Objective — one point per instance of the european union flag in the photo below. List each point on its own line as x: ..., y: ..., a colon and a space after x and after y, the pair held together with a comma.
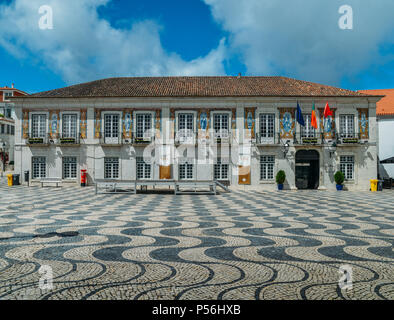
x: 300, y: 118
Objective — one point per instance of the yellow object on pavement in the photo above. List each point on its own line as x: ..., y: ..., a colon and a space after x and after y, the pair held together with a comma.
x: 9, y: 179
x: 374, y: 185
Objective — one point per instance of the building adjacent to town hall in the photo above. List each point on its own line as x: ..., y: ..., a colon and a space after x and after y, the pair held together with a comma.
x: 7, y: 125
x: 385, y: 121
x: 238, y: 130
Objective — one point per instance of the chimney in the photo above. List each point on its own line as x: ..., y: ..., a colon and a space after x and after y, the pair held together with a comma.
x: 12, y: 85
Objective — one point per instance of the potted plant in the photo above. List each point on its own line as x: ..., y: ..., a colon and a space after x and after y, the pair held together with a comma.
x: 67, y: 140
x: 35, y: 140
x: 280, y: 179
x: 339, y: 179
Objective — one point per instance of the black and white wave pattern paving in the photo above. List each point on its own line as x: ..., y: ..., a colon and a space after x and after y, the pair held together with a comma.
x: 241, y: 245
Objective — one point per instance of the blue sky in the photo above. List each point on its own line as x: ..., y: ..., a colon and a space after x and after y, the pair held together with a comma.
x: 93, y: 39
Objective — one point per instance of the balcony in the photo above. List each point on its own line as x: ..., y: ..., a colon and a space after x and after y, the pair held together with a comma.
x: 37, y: 141
x: 308, y: 138
x: 185, y: 137
x: 350, y: 139
x: 110, y: 141
x: 68, y: 141
x: 222, y: 136
x: 267, y: 139
x: 143, y: 140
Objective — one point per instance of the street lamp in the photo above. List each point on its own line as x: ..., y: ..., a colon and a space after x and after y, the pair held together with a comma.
x: 285, y: 148
x: 332, y: 148
x: 3, y: 146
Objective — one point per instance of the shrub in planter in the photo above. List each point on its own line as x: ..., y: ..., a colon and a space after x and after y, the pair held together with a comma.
x: 35, y: 140
x: 339, y: 179
x: 280, y: 179
x: 309, y: 140
x: 67, y: 140
x: 350, y: 140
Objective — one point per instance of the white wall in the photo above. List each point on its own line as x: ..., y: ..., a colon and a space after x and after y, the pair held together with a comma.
x: 386, y: 138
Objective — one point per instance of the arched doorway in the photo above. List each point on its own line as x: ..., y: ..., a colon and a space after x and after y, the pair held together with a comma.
x: 307, y: 169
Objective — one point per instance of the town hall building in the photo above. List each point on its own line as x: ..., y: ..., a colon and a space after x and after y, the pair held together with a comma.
x: 237, y: 130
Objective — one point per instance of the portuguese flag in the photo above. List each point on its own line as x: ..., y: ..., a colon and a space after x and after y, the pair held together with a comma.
x: 313, y: 118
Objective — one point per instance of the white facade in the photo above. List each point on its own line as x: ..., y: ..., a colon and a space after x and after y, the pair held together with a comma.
x: 98, y: 157
x: 386, y: 145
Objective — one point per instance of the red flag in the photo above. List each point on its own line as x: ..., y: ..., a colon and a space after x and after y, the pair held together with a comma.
x: 327, y: 111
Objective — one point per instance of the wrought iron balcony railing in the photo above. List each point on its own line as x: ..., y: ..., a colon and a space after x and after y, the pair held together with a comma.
x: 67, y: 140
x: 37, y: 139
x: 186, y: 137
x: 105, y: 140
x: 146, y: 138
x: 348, y: 138
x: 267, y: 138
x: 309, y: 138
x: 222, y: 136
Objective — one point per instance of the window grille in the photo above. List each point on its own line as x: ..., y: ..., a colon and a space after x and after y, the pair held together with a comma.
x: 69, y: 168
x: 39, y: 167
x: 347, y: 167
x: 220, y: 170
x: 111, y: 168
x: 143, y: 169
x: 38, y: 123
x: 267, y: 164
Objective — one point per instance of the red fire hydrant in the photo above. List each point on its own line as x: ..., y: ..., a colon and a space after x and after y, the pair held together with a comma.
x: 83, y: 178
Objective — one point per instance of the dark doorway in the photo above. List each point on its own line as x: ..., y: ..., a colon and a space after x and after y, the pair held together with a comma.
x: 307, y: 169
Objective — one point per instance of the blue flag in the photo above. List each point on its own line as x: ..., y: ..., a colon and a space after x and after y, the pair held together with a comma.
x: 299, y: 117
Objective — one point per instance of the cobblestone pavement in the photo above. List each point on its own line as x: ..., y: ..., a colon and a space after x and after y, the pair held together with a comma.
x: 239, y: 245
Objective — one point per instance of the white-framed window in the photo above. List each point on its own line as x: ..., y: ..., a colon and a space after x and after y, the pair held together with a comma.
x: 7, y: 95
x: 221, y: 124
x: 144, y: 170
x: 186, y: 171
x: 267, y: 125
x: 111, y: 127
x: 308, y: 131
x: 69, y: 125
x: 220, y: 170
x: 12, y: 130
x: 111, y: 168
x: 143, y: 127
x: 267, y: 164
x: 185, y: 126
x: 346, y: 166
x: 2, y: 128
x: 346, y: 125
x: 38, y: 167
x: 69, y: 167
x: 38, y: 125
x: 185, y: 121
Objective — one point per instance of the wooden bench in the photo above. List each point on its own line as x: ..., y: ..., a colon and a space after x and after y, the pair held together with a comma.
x: 50, y: 180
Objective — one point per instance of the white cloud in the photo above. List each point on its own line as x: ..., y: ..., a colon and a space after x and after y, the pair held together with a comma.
x: 83, y: 47
x: 301, y: 38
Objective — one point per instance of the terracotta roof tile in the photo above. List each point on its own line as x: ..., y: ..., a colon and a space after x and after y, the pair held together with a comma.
x: 197, y: 87
x: 386, y: 105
